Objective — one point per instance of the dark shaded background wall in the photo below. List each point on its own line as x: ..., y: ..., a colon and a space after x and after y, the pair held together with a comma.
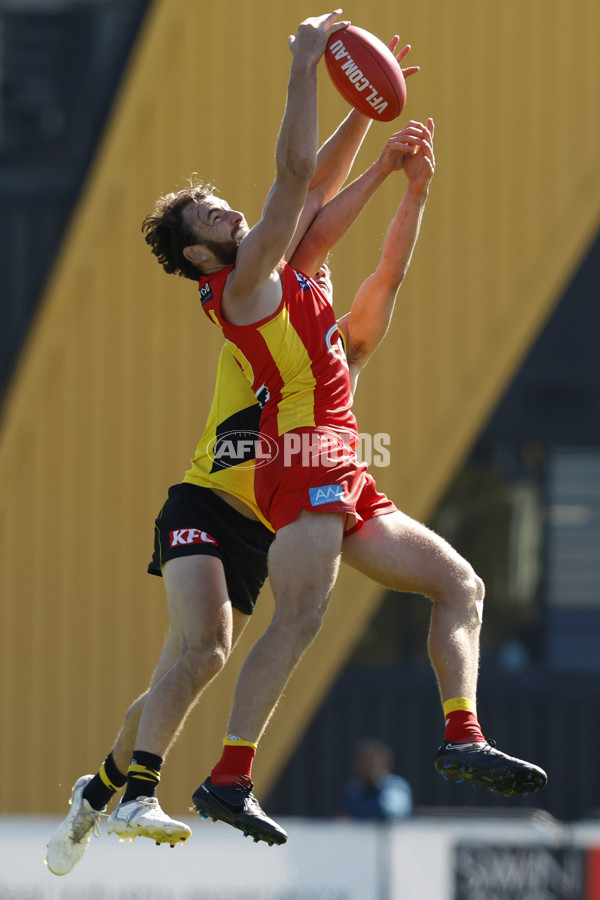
x: 60, y: 67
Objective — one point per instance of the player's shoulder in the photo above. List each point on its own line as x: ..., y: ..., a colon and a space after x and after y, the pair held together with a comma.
x: 211, y: 286
x: 296, y: 279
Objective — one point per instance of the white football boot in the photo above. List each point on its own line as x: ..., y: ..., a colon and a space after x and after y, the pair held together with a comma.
x: 72, y: 838
x: 144, y: 818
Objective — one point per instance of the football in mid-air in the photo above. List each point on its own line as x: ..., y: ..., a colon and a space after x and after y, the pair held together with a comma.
x: 366, y: 73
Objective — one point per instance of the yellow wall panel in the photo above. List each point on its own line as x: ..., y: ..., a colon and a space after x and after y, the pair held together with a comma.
x: 115, y: 381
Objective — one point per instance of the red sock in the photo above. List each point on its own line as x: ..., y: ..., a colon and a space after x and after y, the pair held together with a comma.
x: 236, y: 761
x: 462, y: 724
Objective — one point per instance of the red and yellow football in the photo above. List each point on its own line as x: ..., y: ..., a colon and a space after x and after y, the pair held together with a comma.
x: 366, y: 73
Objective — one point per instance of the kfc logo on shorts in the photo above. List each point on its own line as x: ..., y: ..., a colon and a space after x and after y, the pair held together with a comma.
x: 183, y: 536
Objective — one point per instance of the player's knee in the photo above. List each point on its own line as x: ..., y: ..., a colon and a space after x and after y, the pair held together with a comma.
x: 309, y: 624
x: 203, y: 662
x: 299, y: 627
x: 462, y: 590
x: 135, y: 710
x: 478, y: 595
x: 473, y: 592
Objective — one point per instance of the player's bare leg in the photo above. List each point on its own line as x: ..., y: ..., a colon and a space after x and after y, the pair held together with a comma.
x: 404, y: 555
x: 202, y: 629
x: 303, y: 565
x: 400, y: 553
x: 126, y: 740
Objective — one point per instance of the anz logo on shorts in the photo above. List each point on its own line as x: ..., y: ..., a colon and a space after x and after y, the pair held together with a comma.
x: 328, y: 493
x: 183, y: 536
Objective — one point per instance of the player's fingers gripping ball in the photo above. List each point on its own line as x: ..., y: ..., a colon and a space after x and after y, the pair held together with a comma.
x: 366, y: 73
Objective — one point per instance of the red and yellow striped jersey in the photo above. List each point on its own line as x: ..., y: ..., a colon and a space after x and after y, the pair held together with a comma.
x: 294, y: 359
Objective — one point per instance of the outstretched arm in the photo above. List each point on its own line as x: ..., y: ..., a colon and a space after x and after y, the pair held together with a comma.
x: 334, y: 161
x: 295, y: 157
x: 367, y: 322
x: 336, y: 217
x: 336, y: 158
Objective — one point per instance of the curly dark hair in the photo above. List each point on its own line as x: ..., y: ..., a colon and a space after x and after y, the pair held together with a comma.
x: 167, y: 232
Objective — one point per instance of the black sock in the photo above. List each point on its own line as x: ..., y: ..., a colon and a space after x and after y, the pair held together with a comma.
x: 143, y: 775
x: 106, y: 782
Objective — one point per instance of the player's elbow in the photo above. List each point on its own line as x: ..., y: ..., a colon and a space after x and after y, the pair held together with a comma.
x: 387, y: 281
x: 361, y: 349
x: 358, y: 354
x: 297, y: 168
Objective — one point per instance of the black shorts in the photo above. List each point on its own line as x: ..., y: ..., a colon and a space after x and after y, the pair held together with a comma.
x: 195, y: 521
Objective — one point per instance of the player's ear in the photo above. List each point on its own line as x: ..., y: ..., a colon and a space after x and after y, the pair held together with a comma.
x: 197, y: 254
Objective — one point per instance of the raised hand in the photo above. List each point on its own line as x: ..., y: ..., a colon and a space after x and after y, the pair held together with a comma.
x: 419, y: 165
x: 411, y: 149
x: 313, y: 34
x: 411, y: 70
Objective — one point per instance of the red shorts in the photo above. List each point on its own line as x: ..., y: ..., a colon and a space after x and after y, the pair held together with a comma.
x: 317, y: 470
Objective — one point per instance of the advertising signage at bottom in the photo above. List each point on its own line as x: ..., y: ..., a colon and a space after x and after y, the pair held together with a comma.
x: 523, y: 872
